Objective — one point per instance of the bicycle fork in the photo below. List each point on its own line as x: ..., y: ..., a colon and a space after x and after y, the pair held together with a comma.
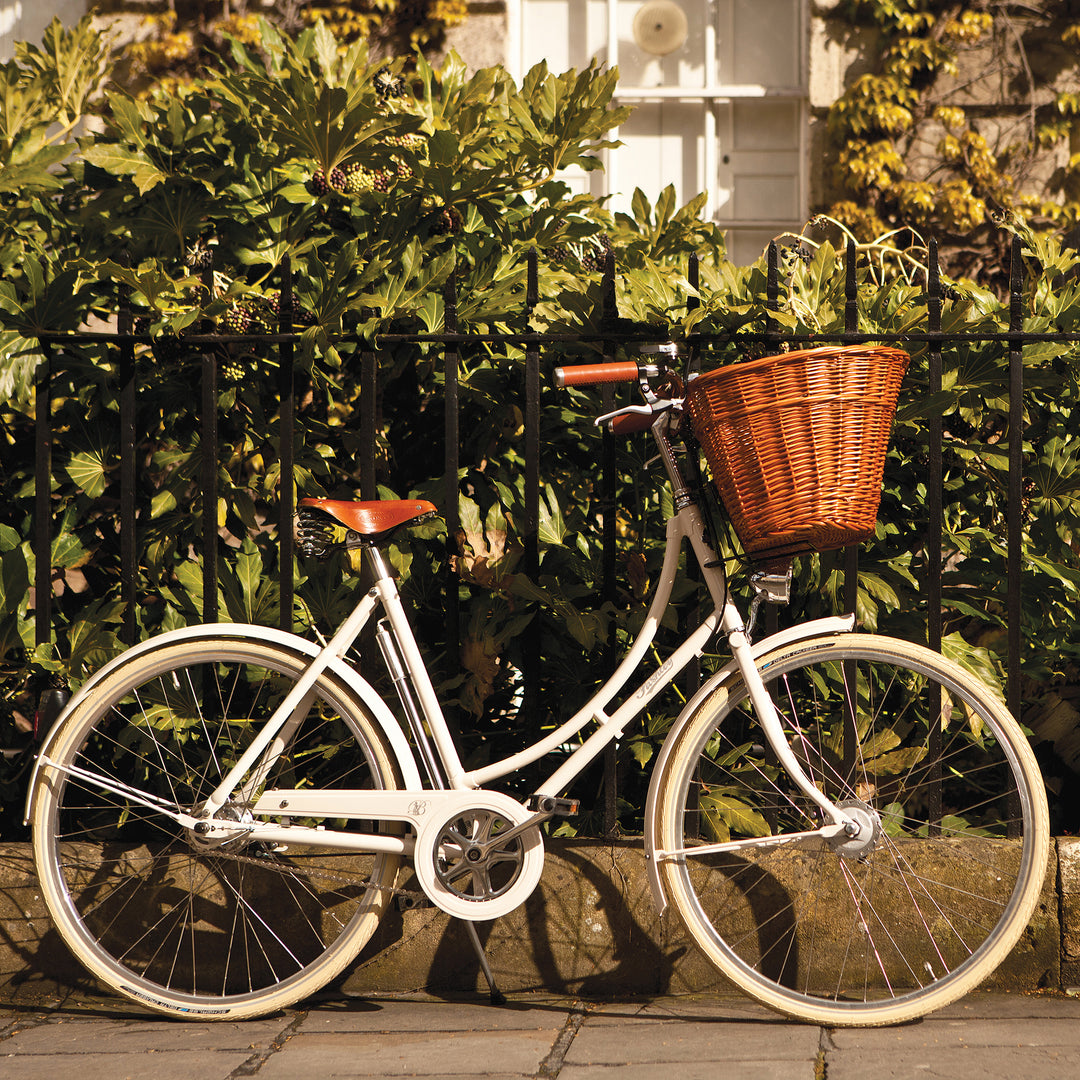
x: 840, y: 821
x: 731, y: 625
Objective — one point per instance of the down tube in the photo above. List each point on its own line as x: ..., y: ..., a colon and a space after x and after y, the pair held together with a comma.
x: 611, y: 727
x: 594, y: 708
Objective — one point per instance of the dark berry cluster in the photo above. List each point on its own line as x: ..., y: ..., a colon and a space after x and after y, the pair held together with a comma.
x: 589, y: 255
x: 167, y: 348
x: 236, y: 319
x: 300, y: 316
x: 260, y: 315
x: 801, y: 252
x: 199, y: 256
x: 322, y: 184
x: 446, y: 219
x: 594, y: 257
x: 439, y: 218
x: 388, y: 86
x: 359, y: 179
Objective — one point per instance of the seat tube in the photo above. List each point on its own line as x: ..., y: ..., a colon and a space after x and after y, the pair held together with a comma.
x: 397, y: 625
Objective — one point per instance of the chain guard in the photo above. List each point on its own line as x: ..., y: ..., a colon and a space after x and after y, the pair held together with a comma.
x: 466, y: 870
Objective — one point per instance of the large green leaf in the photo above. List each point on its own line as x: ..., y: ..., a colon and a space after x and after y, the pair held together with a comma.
x: 16, y: 572
x: 125, y: 161
x: 737, y: 817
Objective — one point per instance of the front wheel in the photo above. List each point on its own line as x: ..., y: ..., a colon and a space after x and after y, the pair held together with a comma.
x: 952, y: 848
x: 185, y: 927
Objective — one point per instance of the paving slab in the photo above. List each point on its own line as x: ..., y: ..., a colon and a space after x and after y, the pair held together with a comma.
x: 102, y: 1043
x: 990, y: 1036
x: 148, y: 1065
x: 63, y: 1035
x: 395, y: 1053
x: 541, y: 1037
x: 432, y: 1038
x: 423, y: 1013
x: 691, y: 1037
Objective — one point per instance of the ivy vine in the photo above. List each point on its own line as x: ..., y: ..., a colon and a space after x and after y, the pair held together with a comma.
x: 919, y: 145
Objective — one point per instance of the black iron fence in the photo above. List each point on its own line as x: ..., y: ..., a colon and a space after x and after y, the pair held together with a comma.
x: 447, y: 346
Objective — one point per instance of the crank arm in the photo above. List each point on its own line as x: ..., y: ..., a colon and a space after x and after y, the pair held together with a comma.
x: 512, y: 834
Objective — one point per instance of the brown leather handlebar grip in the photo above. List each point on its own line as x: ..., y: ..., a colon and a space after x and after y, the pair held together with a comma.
x: 630, y: 423
x: 592, y: 374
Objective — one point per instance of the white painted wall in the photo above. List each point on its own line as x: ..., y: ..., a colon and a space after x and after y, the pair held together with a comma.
x: 25, y: 20
x: 726, y: 113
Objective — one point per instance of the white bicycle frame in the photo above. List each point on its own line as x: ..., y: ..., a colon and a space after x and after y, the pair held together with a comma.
x: 269, y: 817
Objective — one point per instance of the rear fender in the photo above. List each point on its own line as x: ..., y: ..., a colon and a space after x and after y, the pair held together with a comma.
x: 299, y: 646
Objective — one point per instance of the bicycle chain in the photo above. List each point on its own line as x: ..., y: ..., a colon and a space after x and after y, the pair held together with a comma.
x: 318, y: 872
x: 333, y: 876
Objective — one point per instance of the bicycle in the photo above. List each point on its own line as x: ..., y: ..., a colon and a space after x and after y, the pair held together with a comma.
x: 221, y: 813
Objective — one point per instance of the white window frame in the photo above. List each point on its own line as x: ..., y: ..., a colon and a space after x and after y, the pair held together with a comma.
x: 712, y: 95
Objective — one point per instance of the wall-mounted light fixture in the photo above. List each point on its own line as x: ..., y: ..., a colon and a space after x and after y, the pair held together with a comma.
x: 660, y: 27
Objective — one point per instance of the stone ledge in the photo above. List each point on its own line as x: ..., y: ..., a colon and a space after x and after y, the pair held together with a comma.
x: 590, y: 928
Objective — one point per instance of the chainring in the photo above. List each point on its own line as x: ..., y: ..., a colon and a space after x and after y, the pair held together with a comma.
x: 467, y: 870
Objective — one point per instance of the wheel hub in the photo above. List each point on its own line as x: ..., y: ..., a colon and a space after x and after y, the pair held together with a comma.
x: 863, y: 840
x: 203, y: 837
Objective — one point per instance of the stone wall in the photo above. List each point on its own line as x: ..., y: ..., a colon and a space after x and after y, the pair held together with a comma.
x: 590, y: 927
x: 1000, y: 83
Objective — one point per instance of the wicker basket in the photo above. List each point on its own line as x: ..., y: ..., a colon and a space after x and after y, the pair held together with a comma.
x: 796, y: 444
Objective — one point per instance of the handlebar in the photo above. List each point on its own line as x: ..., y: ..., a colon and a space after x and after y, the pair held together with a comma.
x: 630, y: 423
x: 662, y: 415
x: 631, y: 420
x: 594, y: 374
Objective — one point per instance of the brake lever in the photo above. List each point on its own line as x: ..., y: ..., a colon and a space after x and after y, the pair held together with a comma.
x: 629, y: 410
x: 655, y: 408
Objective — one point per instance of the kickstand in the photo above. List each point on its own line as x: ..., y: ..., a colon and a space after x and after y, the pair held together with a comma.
x: 497, y: 997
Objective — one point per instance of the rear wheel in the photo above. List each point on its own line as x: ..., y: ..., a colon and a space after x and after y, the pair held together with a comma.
x: 950, y: 857
x: 181, y: 926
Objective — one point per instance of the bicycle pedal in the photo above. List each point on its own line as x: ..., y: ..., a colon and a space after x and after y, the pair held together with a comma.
x: 547, y: 804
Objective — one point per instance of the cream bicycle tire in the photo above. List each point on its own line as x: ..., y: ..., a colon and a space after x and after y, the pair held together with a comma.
x: 883, y: 934
x: 204, y: 934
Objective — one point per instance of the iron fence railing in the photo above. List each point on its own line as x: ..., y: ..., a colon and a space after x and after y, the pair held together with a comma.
x: 448, y: 346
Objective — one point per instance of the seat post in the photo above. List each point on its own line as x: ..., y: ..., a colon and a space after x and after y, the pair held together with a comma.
x: 379, y: 567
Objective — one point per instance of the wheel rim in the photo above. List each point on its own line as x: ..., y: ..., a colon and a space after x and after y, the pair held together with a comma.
x: 916, y: 911
x: 148, y: 906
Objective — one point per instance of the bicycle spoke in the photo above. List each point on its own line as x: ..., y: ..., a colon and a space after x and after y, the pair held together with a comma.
x: 155, y: 908
x: 876, y: 923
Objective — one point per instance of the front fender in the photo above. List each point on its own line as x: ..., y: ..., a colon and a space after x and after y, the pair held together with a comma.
x: 301, y: 646
x: 834, y: 625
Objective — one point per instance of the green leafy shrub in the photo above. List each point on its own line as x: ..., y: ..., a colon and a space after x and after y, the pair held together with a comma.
x: 386, y: 188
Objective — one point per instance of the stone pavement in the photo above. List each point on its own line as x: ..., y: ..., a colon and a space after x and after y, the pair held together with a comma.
x: 539, y: 1037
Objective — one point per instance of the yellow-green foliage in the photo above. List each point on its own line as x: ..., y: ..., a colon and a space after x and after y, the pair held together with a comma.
x: 170, y: 56
x: 907, y: 148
